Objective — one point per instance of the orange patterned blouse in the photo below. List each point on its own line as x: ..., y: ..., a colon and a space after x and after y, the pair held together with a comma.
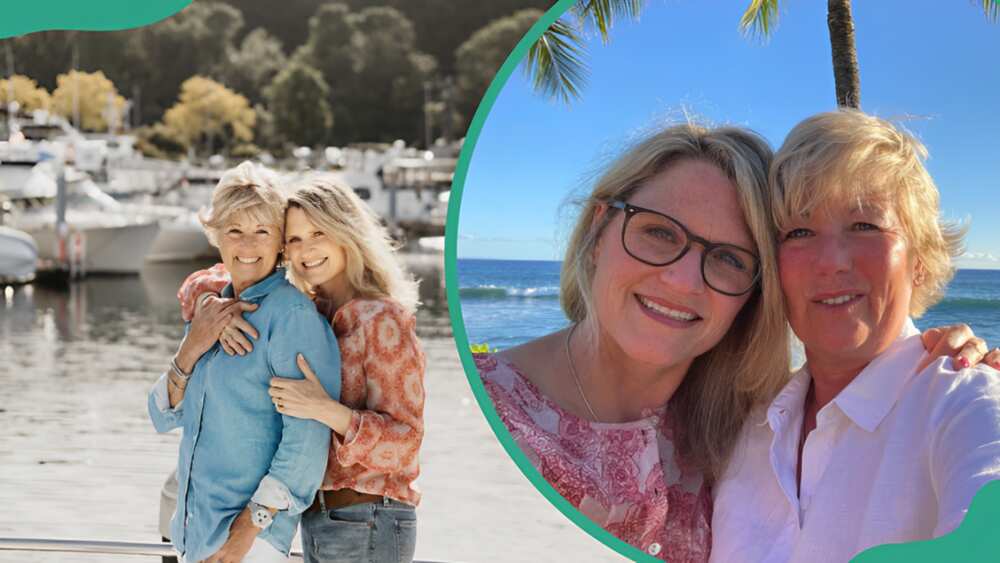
x: 382, y: 381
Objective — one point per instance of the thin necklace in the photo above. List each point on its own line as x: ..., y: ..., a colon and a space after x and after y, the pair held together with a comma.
x: 576, y: 378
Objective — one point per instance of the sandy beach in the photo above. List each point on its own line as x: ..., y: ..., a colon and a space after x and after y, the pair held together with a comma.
x: 80, y: 459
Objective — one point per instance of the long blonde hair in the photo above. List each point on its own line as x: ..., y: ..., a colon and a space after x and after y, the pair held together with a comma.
x: 372, y: 267
x: 750, y: 364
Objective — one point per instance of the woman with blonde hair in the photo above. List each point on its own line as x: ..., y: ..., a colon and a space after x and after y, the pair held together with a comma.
x: 339, y: 254
x: 869, y: 442
x: 671, y: 285
x: 246, y: 472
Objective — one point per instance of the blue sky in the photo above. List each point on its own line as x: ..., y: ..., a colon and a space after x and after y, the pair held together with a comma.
x: 934, y: 65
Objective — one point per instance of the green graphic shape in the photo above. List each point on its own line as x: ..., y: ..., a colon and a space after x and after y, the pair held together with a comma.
x: 974, y: 540
x: 20, y: 17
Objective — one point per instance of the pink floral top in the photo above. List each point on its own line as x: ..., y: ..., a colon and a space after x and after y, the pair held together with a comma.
x: 623, y: 476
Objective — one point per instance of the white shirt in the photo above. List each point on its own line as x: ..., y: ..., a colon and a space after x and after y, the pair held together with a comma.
x: 896, y: 457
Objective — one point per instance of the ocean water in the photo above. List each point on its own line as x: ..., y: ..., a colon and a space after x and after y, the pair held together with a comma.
x: 507, y: 302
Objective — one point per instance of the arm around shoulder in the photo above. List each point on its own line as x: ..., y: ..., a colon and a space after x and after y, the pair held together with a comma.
x: 198, y: 283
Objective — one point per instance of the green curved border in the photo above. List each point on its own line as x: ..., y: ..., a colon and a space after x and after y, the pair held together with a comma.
x: 18, y: 17
x: 975, y: 539
x: 972, y: 541
x: 454, y: 302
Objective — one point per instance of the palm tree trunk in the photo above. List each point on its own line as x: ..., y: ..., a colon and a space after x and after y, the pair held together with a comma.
x: 845, y: 55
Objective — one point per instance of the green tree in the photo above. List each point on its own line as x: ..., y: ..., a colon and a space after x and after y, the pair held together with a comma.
x: 91, y: 96
x: 27, y: 93
x: 192, y: 42
x: 251, y: 68
x: 557, y: 65
x: 208, y: 111
x: 298, y: 101
x: 761, y: 18
x: 374, y: 71
x: 478, y: 59
x: 557, y: 61
x: 43, y: 55
x: 762, y: 15
x: 440, y: 25
x: 443, y: 25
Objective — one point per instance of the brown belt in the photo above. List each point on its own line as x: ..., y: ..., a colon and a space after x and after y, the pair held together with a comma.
x: 341, y: 498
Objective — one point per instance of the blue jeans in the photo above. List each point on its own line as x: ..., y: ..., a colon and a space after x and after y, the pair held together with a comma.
x: 373, y: 532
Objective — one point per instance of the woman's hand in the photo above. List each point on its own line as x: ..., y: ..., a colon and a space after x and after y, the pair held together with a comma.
x: 207, y: 325
x: 236, y: 335
x: 306, y: 398
x: 242, y: 532
x: 961, y: 344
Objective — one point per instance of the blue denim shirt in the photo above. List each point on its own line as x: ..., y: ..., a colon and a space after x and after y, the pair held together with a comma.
x: 235, y: 445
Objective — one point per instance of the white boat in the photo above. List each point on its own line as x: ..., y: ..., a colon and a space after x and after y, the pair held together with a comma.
x: 18, y: 255
x: 181, y: 238
x: 101, y: 237
x: 408, y: 188
x: 27, y: 142
x: 99, y: 247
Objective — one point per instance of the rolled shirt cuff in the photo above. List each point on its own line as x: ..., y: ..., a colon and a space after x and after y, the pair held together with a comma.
x: 161, y: 395
x: 272, y: 493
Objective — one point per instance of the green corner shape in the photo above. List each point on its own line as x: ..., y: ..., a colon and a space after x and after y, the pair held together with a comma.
x: 972, y: 541
x: 20, y: 17
x: 975, y: 539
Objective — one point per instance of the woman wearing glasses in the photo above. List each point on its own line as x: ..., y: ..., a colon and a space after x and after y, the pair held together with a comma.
x: 671, y: 285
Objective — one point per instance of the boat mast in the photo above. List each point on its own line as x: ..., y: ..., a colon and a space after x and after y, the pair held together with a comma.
x: 76, y: 87
x: 11, y: 103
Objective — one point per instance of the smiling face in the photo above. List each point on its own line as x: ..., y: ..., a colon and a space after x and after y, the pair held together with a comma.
x: 847, y: 275
x: 249, y: 248
x: 314, y: 255
x: 666, y: 316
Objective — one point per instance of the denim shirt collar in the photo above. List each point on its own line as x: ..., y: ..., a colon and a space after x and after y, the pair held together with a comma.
x: 258, y: 290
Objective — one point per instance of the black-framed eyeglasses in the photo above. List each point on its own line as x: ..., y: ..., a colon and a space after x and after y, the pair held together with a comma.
x: 660, y: 240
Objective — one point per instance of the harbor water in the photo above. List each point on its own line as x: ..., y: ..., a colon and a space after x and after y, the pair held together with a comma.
x: 79, y: 458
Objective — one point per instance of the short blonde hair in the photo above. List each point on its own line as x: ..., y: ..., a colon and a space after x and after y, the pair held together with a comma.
x: 373, y: 269
x: 247, y: 188
x: 846, y: 155
x: 750, y: 364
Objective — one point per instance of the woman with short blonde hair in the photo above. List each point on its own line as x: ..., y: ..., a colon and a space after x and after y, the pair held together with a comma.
x: 340, y: 255
x: 871, y: 441
x: 848, y: 155
x: 247, y: 188
x: 245, y: 472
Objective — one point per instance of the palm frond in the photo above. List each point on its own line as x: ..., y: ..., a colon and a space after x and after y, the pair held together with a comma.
x: 556, y: 64
x: 760, y: 19
x: 603, y: 14
x: 991, y: 9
